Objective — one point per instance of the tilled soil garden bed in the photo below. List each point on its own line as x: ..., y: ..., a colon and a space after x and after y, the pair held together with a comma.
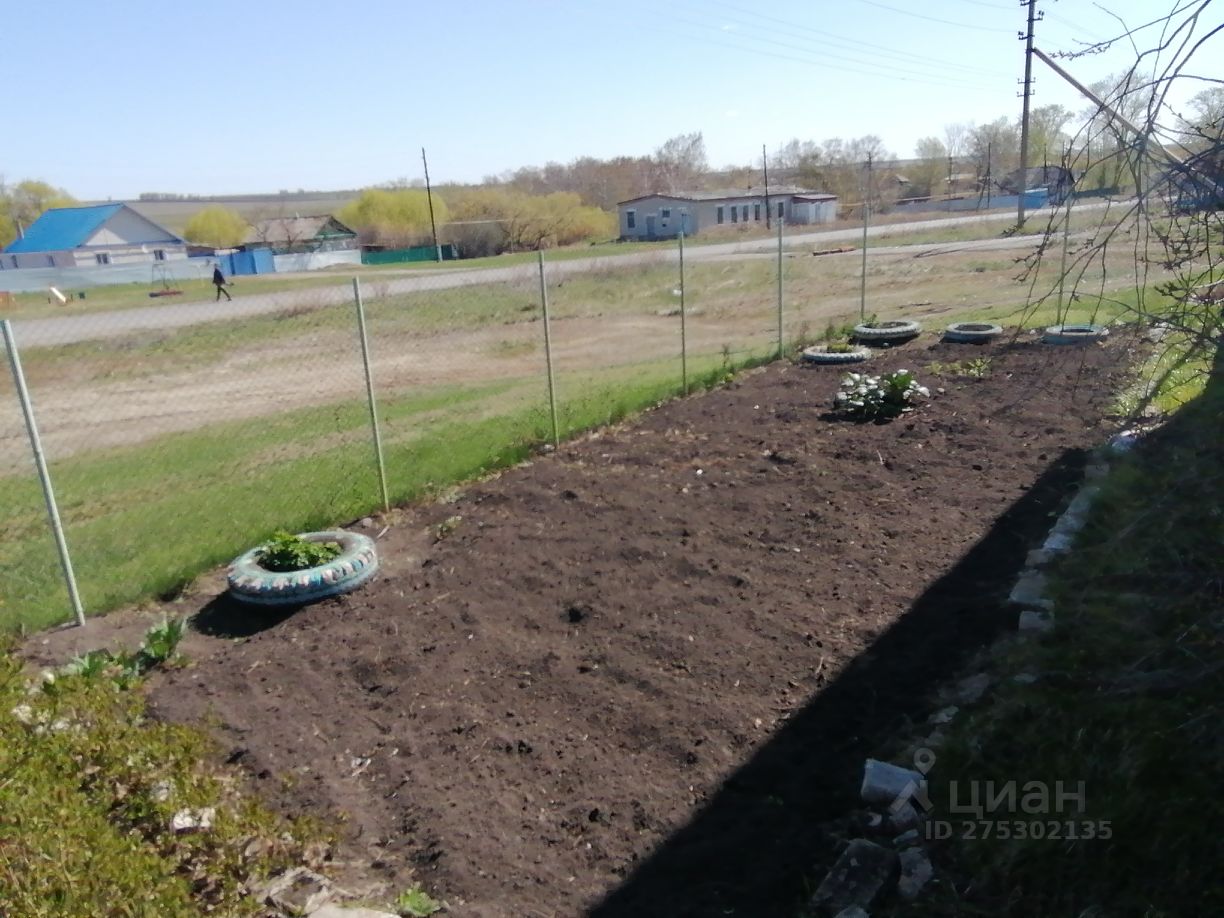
x: 633, y: 677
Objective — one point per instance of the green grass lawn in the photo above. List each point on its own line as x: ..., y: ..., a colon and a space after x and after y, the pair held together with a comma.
x: 143, y: 521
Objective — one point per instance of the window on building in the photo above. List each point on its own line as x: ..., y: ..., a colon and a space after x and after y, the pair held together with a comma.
x: 14, y: 258
x: 159, y: 254
x: 756, y: 212
x: 665, y: 213
x: 781, y: 204
x: 734, y: 214
x: 719, y: 215
x: 630, y: 219
x: 102, y: 258
x: 744, y: 211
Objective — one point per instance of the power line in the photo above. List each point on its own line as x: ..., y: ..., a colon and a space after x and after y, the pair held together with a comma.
x: 825, y: 62
x: 879, y: 70
x: 951, y: 22
x: 989, y: 6
x: 874, y: 47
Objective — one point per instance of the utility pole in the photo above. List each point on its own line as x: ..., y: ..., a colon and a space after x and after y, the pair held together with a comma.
x: 1027, y: 38
x: 948, y: 192
x: 765, y: 167
x: 429, y: 194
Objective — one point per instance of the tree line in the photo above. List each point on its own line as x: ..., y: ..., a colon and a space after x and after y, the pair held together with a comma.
x: 563, y: 203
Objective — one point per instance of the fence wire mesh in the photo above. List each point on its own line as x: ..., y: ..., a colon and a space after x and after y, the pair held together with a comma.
x: 182, y: 430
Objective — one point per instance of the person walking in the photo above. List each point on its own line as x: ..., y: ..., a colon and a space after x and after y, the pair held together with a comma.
x: 219, y: 282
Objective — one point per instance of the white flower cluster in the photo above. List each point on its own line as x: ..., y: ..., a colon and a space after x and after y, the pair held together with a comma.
x: 879, y: 396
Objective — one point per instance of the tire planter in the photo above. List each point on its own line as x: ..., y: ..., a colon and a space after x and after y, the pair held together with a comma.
x: 819, y: 353
x: 971, y: 332
x: 892, y: 332
x: 1074, y: 334
x: 357, y: 562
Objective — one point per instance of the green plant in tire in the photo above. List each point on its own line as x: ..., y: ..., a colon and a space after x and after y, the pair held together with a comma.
x: 288, y: 552
x: 839, y: 347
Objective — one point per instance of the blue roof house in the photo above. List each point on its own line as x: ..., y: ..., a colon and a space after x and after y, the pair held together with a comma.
x: 100, y: 234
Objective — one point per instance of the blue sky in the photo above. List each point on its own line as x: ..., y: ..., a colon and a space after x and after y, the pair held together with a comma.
x: 112, y: 99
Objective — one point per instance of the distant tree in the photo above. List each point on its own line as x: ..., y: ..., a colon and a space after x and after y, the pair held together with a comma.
x: 802, y: 160
x: 680, y: 163
x: 929, y: 176
x: 492, y: 220
x: 23, y: 203
x: 1204, y: 128
x: 1047, y: 139
x: 393, y: 217
x: 956, y: 138
x: 216, y: 226
x: 994, y: 147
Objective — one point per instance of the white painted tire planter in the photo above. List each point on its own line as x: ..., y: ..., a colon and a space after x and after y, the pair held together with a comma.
x: 971, y: 332
x: 1074, y: 334
x: 357, y: 562
x: 819, y: 353
x: 887, y: 332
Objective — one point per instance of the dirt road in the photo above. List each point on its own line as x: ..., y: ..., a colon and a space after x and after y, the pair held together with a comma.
x: 69, y: 329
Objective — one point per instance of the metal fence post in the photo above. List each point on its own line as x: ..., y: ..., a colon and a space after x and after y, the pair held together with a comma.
x: 1062, y: 267
x: 44, y: 477
x: 683, y: 325
x: 781, y: 341
x: 863, y: 281
x: 369, y: 381
x: 552, y: 384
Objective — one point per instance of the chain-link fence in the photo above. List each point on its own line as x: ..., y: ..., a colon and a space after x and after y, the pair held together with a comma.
x: 177, y: 434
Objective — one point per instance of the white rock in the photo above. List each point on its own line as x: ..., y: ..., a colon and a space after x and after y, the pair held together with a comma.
x: 885, y: 783
x: 338, y: 911
x: 1034, y: 620
x: 904, y: 817
x: 299, y: 891
x: 907, y: 839
x: 970, y: 689
x: 1030, y: 590
x: 1058, y: 542
x: 193, y: 820
x: 916, y: 872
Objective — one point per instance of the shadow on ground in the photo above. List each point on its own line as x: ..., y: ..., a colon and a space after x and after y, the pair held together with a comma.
x: 225, y: 617
x: 758, y: 846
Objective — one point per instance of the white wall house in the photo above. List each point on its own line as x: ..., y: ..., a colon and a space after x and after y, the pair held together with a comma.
x: 664, y: 216
x: 103, y: 234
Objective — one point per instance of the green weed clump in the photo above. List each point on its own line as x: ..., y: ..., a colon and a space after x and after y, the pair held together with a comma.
x: 108, y: 812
